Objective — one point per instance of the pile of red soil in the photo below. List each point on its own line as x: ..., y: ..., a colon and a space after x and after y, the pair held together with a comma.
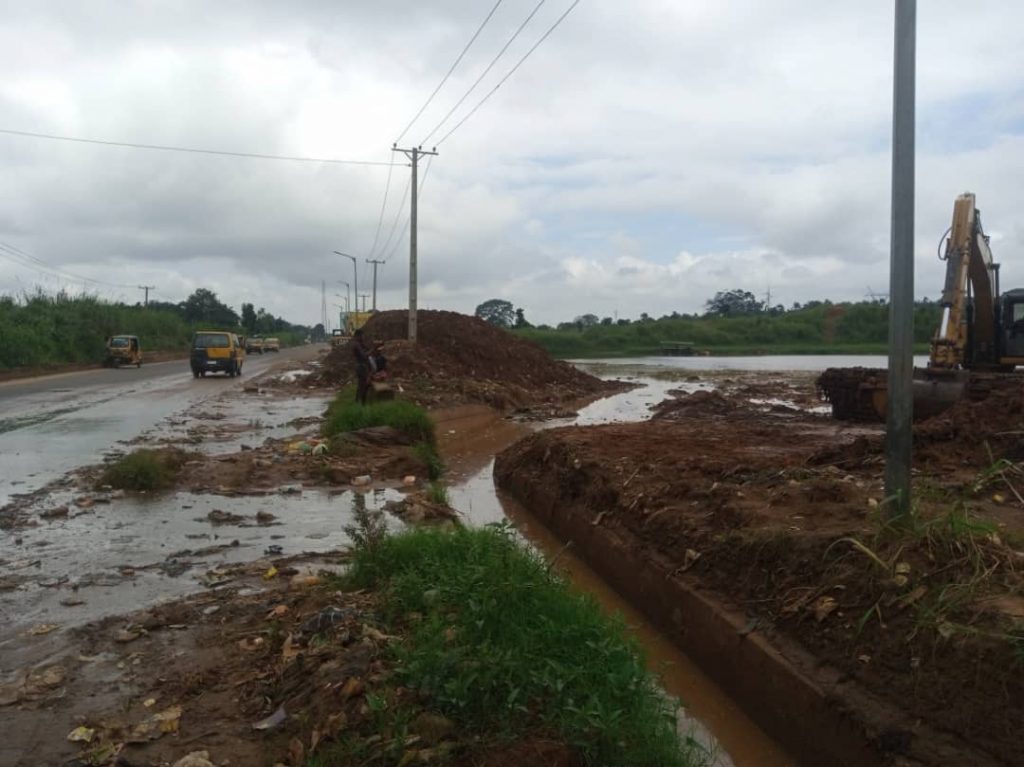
x: 962, y: 432
x: 696, y: 403
x: 458, y: 359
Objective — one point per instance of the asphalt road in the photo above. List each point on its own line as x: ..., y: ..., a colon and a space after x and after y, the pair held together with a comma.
x: 53, y: 424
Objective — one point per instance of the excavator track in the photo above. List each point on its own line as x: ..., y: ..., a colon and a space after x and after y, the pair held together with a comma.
x: 850, y: 392
x: 858, y: 394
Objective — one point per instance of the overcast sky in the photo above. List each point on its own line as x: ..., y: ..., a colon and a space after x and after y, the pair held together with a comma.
x: 647, y: 155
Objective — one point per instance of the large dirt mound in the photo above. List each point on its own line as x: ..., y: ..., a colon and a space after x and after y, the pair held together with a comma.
x: 458, y: 359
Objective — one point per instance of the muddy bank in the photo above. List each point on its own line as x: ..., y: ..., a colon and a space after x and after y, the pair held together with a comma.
x: 766, y: 564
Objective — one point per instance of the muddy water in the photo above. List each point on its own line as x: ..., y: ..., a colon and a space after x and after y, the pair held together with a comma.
x: 709, y: 714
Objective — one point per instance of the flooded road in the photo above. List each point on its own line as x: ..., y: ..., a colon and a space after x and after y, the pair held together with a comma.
x: 51, y: 425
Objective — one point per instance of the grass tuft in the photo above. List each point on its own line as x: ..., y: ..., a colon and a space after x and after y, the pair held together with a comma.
x: 427, y: 453
x: 438, y: 493
x: 143, y: 470
x: 503, y: 646
x: 344, y: 414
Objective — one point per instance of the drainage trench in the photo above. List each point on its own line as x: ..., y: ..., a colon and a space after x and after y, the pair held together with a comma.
x: 471, y: 436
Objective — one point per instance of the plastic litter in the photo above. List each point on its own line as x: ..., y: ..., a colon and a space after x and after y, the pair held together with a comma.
x: 273, y: 721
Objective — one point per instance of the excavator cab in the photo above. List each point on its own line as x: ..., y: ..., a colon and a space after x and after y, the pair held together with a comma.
x: 1012, y: 315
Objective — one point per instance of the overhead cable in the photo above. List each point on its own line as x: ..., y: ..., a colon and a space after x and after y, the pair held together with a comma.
x: 484, y: 73
x: 20, y: 257
x: 510, y: 72
x: 190, y: 150
x: 450, y: 70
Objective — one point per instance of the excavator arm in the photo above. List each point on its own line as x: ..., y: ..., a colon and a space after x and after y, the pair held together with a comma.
x: 961, y: 341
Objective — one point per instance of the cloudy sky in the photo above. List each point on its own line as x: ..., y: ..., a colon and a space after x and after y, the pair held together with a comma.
x: 647, y: 155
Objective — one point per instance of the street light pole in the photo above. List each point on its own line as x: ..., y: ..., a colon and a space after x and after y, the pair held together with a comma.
x: 375, y: 263
x: 355, y: 270
x: 348, y: 296
x: 898, y: 437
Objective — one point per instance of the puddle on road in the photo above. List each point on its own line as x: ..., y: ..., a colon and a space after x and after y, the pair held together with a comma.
x: 93, y: 550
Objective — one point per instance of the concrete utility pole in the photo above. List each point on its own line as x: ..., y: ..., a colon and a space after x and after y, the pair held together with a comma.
x: 414, y: 155
x: 901, y: 267
x: 375, y: 263
x: 348, y: 293
x: 364, y: 296
x: 355, y: 272
x: 147, y: 288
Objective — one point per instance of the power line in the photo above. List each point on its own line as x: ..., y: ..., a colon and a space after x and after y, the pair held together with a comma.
x: 449, y: 73
x: 20, y: 257
x: 383, y: 205
x: 484, y: 73
x: 398, y: 216
x: 191, y: 150
x: 510, y: 72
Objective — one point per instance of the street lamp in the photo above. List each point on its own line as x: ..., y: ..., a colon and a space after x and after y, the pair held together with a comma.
x: 355, y: 270
x: 348, y: 299
x: 347, y: 304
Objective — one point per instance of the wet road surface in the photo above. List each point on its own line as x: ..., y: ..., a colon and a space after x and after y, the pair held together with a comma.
x: 51, y: 425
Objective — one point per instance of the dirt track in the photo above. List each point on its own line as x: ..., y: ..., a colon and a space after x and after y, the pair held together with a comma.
x: 748, y: 506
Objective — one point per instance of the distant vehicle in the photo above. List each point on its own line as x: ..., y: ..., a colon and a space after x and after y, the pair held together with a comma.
x: 254, y: 344
x: 271, y: 345
x: 339, y: 337
x: 123, y: 350
x: 216, y: 351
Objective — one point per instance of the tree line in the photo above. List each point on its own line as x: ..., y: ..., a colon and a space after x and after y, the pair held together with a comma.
x: 44, y: 329
x: 732, y: 322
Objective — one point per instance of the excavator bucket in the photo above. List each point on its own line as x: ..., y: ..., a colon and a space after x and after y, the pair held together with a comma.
x: 933, y: 394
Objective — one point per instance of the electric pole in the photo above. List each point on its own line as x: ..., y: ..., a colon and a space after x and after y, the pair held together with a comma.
x: 375, y: 263
x: 364, y: 296
x: 414, y: 155
x: 146, y: 288
x: 323, y: 304
x: 898, y: 436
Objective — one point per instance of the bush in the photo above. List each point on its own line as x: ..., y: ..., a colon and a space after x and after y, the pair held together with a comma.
x: 345, y: 414
x: 143, y: 470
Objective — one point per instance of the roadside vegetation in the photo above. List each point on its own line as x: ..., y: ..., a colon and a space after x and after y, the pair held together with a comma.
x: 345, y: 414
x: 40, y: 329
x: 144, y: 470
x: 504, y: 650
x: 817, y: 328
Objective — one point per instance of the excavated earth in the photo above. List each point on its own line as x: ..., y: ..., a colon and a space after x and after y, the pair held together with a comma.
x: 755, y: 538
x: 459, y: 359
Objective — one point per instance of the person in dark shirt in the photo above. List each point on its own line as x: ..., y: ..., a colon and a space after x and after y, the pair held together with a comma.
x: 361, y: 350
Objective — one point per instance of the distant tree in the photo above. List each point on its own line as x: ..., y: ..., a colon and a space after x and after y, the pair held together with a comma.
x: 622, y: 322
x: 249, y: 318
x: 497, y: 312
x: 729, y: 303
x: 567, y: 326
x: 521, y: 320
x: 317, y: 334
x: 645, y: 317
x: 587, y: 320
x: 606, y: 321
x: 204, y: 306
x: 796, y: 306
x: 543, y: 327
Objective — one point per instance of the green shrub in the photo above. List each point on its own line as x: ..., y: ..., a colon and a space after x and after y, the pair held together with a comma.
x: 505, y: 647
x: 345, y: 414
x: 427, y: 453
x: 143, y: 470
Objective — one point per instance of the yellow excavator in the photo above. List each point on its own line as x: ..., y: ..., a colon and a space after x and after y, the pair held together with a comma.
x: 979, y: 341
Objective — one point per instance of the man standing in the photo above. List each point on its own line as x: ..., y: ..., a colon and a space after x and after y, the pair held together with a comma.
x: 361, y: 350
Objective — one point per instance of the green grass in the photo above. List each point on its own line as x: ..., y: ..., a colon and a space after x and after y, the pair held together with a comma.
x: 438, y: 493
x: 143, y: 470
x: 504, y: 647
x: 344, y: 414
x: 427, y: 452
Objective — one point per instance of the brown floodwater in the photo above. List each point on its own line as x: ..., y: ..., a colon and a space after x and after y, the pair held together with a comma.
x: 469, y: 439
